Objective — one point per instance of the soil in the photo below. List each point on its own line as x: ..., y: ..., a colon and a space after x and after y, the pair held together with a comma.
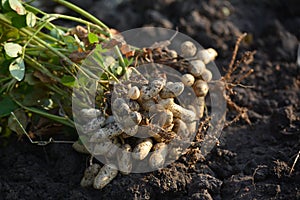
x: 251, y: 162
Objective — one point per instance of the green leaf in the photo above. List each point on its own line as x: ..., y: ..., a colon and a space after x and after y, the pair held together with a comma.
x: 93, y: 38
x: 68, y: 80
x: 30, y: 19
x: 71, y: 43
x: 12, y: 34
x: 5, y: 5
x: 17, y: 69
x: 12, y: 49
x: 57, y: 33
x: 19, y: 21
x: 7, y: 105
x: 17, y: 6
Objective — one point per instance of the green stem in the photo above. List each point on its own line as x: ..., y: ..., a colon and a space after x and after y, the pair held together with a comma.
x: 40, y: 67
x: 34, y: 34
x: 79, y: 20
x: 63, y: 120
x: 85, y: 14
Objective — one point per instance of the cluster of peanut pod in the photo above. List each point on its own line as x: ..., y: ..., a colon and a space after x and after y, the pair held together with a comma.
x: 145, y: 124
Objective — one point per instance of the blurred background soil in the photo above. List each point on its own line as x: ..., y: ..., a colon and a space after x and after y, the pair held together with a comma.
x: 252, y: 162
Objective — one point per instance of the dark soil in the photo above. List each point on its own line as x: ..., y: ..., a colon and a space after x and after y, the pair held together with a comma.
x: 252, y: 162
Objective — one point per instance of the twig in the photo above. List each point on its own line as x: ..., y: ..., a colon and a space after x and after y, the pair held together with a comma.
x: 236, y: 48
x: 295, y: 161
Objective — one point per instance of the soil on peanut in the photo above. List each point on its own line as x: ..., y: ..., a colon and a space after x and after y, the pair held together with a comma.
x: 252, y: 162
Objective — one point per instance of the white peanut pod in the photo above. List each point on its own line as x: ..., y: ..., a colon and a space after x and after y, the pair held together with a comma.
x: 124, y: 160
x: 142, y: 149
x: 159, y: 115
x: 113, y: 148
x: 93, y: 124
x: 196, y: 68
x: 199, y: 106
x: 134, y: 105
x: 188, y: 79
x: 131, y: 130
x: 207, y: 55
x: 89, y: 175
x: 101, y: 148
x: 106, y: 174
x: 206, y: 75
x: 90, y: 113
x: 200, y: 88
x: 168, y: 118
x: 109, y: 131
x: 174, y: 153
x: 178, y: 111
x: 181, y: 129
x: 173, y: 53
x: 146, y: 104
x: 172, y: 90
x: 188, y: 49
x: 134, y: 93
x: 158, y: 157
x: 120, y: 107
x: 152, y: 90
x: 80, y: 148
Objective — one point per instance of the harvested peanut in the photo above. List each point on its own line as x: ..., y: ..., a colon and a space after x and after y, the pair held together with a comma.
x: 90, y: 113
x: 150, y: 91
x: 109, y: 131
x: 106, y: 174
x: 206, y: 75
x: 89, y: 175
x: 102, y: 148
x: 124, y: 160
x: 80, y: 148
x: 188, y: 79
x: 181, y: 129
x: 134, y: 93
x: 172, y: 90
x: 142, y: 149
x: 178, y: 111
x: 200, y: 88
x: 93, y: 124
x: 207, y: 55
x: 188, y: 49
x: 157, y: 159
x: 199, y: 106
x: 196, y: 68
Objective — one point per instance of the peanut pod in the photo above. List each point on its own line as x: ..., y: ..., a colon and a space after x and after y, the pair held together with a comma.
x: 89, y: 175
x: 142, y: 149
x: 124, y: 160
x: 106, y: 174
x: 157, y: 159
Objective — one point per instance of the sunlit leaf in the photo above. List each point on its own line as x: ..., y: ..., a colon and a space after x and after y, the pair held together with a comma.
x: 17, y: 69
x: 30, y: 19
x: 93, y: 38
x: 12, y: 49
x: 17, y: 6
